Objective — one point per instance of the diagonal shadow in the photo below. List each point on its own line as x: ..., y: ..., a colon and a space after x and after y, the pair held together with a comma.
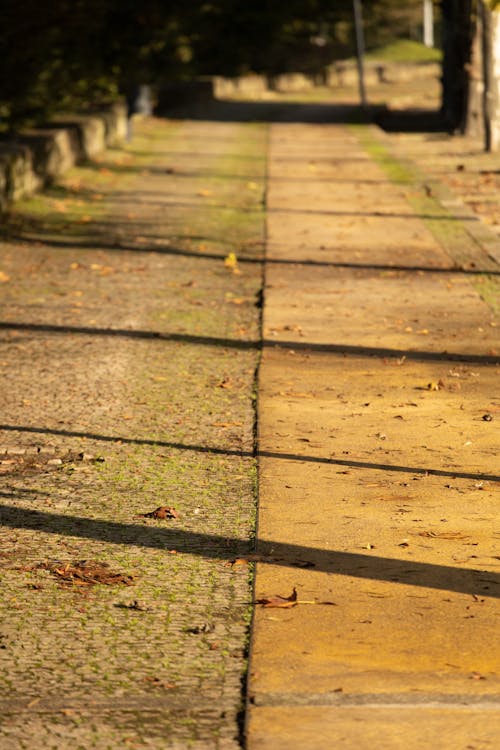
x: 340, y: 349
x: 331, y: 461
x: 225, y: 110
x: 369, y: 567
x: 98, y: 241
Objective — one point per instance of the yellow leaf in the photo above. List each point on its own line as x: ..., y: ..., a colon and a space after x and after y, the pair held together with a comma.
x: 231, y: 262
x: 4, y: 277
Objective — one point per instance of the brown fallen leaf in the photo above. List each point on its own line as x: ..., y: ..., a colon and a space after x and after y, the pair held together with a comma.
x: 84, y: 573
x: 253, y: 557
x: 283, y: 602
x: 162, y: 512
x: 443, y: 535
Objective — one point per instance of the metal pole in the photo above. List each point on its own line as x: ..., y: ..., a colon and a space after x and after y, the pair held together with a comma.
x: 360, y: 45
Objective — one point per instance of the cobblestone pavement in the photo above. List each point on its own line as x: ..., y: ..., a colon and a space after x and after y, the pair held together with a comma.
x: 128, y: 354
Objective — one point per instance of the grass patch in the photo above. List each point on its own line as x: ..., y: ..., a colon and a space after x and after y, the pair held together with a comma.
x: 404, y: 51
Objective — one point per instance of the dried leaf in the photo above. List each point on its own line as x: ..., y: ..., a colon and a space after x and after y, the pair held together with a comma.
x: 4, y: 277
x: 253, y: 557
x: 283, y: 602
x: 443, y: 535
x: 134, y: 606
x: 84, y: 573
x: 162, y: 512
x: 231, y: 262
x: 200, y: 629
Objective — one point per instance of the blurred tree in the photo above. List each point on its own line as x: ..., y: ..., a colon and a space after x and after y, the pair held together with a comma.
x: 457, y: 47
x: 70, y: 53
x: 486, y: 52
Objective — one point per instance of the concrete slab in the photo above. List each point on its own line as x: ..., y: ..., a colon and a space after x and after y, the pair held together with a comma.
x: 387, y: 728
x: 378, y: 468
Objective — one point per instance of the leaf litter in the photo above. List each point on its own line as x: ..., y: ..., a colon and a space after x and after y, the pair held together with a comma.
x: 160, y: 513
x: 83, y: 573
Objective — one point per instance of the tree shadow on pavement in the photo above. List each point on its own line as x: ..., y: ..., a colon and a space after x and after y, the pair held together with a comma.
x: 330, y: 348
x: 149, y: 244
x: 358, y: 565
x: 222, y: 451
x: 220, y: 110
x: 411, y: 120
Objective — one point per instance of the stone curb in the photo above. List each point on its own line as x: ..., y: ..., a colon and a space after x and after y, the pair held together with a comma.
x: 36, y: 156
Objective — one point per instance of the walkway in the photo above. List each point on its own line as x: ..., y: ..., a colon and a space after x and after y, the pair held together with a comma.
x: 130, y: 342
x: 378, y: 443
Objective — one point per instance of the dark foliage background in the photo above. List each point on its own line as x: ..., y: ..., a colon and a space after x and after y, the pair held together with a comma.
x: 60, y: 54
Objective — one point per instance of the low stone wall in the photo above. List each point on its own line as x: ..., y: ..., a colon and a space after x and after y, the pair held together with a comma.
x: 250, y: 85
x: 35, y: 157
x: 346, y: 73
x: 254, y: 85
x: 336, y: 75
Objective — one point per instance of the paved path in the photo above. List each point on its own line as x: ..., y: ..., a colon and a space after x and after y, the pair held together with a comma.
x: 128, y: 357
x: 130, y: 342
x: 379, y: 401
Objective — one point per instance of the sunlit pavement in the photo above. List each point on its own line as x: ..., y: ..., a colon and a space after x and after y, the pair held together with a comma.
x: 378, y: 451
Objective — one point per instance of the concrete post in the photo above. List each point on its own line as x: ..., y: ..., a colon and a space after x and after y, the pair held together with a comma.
x: 428, y: 11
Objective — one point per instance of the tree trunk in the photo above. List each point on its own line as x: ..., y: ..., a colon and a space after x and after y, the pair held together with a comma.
x: 491, y: 77
x: 457, y: 44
